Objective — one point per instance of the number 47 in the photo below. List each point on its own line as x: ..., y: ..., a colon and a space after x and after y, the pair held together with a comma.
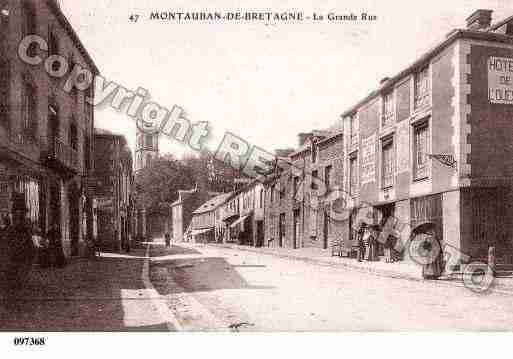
x: 134, y: 18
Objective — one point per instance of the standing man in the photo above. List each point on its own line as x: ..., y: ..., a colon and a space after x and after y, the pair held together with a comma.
x: 361, y: 244
x: 21, y: 248
x: 167, y: 236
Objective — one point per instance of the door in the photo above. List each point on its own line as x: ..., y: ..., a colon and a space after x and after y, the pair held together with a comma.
x: 325, y: 231
x: 282, y: 229
x: 296, y: 228
x: 74, y: 219
x: 260, y: 234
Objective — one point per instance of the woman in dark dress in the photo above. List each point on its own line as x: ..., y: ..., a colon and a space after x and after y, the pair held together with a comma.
x: 426, y: 250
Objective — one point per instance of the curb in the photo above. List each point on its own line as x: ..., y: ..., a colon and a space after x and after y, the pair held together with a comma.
x: 495, y: 288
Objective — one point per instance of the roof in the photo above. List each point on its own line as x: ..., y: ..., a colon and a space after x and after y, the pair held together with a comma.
x: 422, y: 60
x: 104, y: 132
x: 213, y: 203
x: 55, y: 7
x: 326, y: 136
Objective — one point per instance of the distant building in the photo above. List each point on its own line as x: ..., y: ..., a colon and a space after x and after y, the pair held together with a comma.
x: 206, y: 219
x: 183, y: 208
x: 114, y: 189
x: 46, y: 133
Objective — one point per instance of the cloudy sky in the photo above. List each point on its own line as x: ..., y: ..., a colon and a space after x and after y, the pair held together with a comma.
x: 262, y: 81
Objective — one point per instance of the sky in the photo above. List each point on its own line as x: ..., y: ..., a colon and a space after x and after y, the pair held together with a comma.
x: 264, y: 82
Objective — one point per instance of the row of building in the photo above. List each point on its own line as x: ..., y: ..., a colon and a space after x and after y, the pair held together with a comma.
x: 69, y: 173
x: 434, y: 143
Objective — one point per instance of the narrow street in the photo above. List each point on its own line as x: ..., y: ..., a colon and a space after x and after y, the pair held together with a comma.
x: 213, y: 288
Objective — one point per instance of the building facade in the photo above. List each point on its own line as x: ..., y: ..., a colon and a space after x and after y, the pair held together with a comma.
x: 114, y: 189
x: 300, y: 196
x: 206, y: 219
x: 182, y: 211
x: 433, y: 143
x: 45, y: 132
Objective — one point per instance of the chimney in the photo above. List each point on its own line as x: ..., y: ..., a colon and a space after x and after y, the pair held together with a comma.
x: 480, y: 20
x: 303, y: 137
x: 283, y: 152
x: 383, y: 80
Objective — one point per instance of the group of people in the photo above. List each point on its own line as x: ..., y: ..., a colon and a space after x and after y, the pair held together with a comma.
x: 428, y: 251
x: 368, y: 244
x: 21, y: 245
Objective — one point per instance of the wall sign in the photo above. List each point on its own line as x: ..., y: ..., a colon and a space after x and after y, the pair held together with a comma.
x: 368, y: 161
x: 500, y: 80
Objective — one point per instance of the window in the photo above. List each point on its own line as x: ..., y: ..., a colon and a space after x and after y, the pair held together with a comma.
x: 282, y: 191
x: 149, y: 141
x: 315, y: 176
x: 73, y: 135
x: 4, y: 93
x: 313, y: 151
x: 295, y: 187
x: 261, y: 201
x: 387, y: 165
x: 353, y: 128
x: 388, y: 109
x: 420, y: 151
x: 327, y: 177
x: 422, y: 88
x: 273, y: 188
x: 29, y: 111
x: 30, y: 23
x: 53, y: 44
x: 353, y: 175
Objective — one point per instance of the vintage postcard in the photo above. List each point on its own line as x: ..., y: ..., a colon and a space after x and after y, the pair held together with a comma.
x: 273, y: 166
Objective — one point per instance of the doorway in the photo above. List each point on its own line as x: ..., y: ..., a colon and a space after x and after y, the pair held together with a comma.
x: 296, y: 228
x: 326, y: 230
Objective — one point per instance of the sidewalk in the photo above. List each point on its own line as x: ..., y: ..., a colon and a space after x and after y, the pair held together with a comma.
x: 103, y: 294
x: 402, y: 270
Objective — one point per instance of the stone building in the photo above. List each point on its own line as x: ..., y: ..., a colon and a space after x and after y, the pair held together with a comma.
x: 114, y: 189
x: 45, y: 132
x: 301, y: 193
x: 433, y: 143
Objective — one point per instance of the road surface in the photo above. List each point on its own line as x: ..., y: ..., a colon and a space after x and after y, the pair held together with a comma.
x: 215, y: 288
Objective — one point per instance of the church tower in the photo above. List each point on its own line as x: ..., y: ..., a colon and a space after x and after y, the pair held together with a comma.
x: 146, y: 149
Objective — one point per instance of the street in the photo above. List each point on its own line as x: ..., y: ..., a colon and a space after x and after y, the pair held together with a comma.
x: 203, y: 288
x: 215, y: 288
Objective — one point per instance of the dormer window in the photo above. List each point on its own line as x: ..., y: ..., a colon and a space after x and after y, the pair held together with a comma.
x: 353, y: 129
x: 313, y: 151
x: 422, y: 88
x: 388, y: 109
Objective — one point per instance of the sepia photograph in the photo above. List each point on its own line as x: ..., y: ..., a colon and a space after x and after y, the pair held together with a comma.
x: 267, y: 168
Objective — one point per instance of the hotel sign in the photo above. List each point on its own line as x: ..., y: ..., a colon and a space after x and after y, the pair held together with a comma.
x: 500, y: 80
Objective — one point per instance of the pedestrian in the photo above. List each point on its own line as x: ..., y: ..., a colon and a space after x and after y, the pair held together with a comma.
x: 371, y: 239
x: 55, y: 249
x: 428, y: 250
x: 360, y: 242
x: 168, y: 240
x: 21, y: 248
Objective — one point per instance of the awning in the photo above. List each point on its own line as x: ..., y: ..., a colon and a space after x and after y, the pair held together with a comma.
x: 241, y: 219
x: 200, y: 231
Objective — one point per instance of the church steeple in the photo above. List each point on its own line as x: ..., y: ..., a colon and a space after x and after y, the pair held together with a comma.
x: 146, y: 149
